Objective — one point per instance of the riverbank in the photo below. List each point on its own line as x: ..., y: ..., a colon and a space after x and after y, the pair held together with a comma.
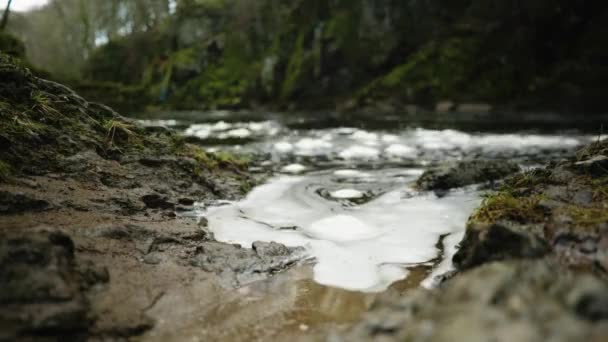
x: 90, y: 238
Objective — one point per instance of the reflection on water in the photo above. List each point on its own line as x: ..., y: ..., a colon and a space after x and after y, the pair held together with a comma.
x: 288, y: 306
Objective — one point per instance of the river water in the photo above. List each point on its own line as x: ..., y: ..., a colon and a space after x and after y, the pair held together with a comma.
x: 344, y: 193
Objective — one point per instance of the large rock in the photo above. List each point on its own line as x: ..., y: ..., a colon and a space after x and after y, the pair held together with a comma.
x: 514, y: 301
x: 499, y: 241
x: 464, y: 173
x: 42, y: 288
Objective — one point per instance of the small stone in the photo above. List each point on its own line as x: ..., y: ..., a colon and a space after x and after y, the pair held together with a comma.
x: 152, y: 259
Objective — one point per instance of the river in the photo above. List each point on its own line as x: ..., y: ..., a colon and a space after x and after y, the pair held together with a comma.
x: 344, y: 193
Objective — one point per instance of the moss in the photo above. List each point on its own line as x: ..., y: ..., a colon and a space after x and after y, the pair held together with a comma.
x: 586, y: 217
x: 212, y: 161
x: 504, y: 206
x: 121, y: 133
x: 526, y: 180
x: 600, y: 189
x: 437, y: 70
x: 5, y: 171
x: 229, y: 159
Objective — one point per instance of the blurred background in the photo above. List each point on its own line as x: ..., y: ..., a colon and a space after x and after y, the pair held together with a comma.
x: 409, y: 57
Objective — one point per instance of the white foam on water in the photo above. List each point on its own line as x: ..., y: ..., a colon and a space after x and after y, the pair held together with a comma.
x: 346, y: 194
x: 390, y: 138
x: 365, y: 136
x: 294, y: 168
x: 239, y: 133
x: 360, y: 152
x: 365, y: 248
x: 283, y: 146
x: 221, y: 126
x: 199, y: 130
x: 349, y: 173
x: 311, y: 146
x: 400, y: 151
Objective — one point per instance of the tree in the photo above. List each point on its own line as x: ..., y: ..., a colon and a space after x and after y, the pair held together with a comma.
x: 7, y: 11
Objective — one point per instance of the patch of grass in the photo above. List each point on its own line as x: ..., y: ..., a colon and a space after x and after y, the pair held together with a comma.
x: 527, y: 179
x: 121, y: 132
x: 504, y: 206
x: 600, y: 189
x: 213, y: 161
x: 20, y: 125
x: 587, y: 217
x: 229, y: 159
x: 43, y: 104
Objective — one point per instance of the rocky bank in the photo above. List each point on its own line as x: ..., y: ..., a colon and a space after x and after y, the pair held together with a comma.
x: 90, y: 240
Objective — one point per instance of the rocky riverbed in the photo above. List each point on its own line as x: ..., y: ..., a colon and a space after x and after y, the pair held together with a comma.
x: 116, y: 229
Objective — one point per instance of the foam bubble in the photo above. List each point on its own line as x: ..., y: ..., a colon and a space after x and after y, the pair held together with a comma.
x: 283, y: 147
x: 400, y: 151
x: 346, y: 194
x: 294, y: 168
x: 239, y: 133
x: 360, y: 152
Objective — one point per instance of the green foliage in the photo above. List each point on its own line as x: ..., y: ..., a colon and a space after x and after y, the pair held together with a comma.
x: 124, y: 60
x: 438, y: 70
x: 295, y: 67
x: 210, y: 53
x: 11, y: 45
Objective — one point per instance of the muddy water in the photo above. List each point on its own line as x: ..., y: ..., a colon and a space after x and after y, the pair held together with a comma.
x: 344, y: 194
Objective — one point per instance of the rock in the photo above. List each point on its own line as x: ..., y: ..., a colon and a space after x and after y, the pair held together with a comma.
x: 499, y: 241
x: 464, y: 173
x: 41, y: 286
x: 15, y: 203
x: 506, y: 301
x: 152, y: 259
x: 156, y: 201
x: 270, y: 249
x: 596, y: 165
x: 238, y: 266
x: 186, y: 201
x: 583, y: 197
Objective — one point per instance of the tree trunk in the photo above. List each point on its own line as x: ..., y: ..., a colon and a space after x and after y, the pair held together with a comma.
x: 7, y: 11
